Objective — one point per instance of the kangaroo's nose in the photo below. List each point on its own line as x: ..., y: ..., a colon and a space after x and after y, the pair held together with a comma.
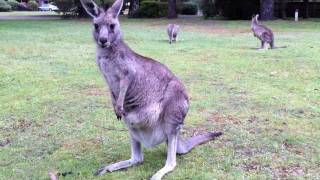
x: 103, y: 40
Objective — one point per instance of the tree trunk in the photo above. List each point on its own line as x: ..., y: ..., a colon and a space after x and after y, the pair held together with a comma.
x: 266, y: 9
x: 172, y: 9
x: 306, y: 8
x: 283, y: 5
x: 134, y: 5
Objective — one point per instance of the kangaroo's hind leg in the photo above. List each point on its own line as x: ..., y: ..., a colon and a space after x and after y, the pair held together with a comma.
x: 136, y: 158
x: 174, y: 115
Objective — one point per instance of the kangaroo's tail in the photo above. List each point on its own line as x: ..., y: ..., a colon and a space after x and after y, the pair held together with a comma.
x: 184, y: 146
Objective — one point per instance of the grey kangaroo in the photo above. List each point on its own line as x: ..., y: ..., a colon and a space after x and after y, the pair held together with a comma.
x: 145, y: 93
x: 173, y: 31
x: 264, y: 34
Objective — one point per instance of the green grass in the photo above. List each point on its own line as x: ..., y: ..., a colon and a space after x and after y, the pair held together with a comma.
x: 56, y: 115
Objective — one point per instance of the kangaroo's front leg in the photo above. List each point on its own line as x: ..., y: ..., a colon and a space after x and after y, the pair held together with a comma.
x: 136, y: 158
x: 124, y: 84
x: 171, y: 157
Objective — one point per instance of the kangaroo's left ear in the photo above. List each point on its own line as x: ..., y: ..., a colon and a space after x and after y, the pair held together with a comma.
x: 116, y: 8
x: 91, y: 8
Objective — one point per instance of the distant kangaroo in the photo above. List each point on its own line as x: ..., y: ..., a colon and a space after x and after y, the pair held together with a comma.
x: 264, y: 34
x: 173, y: 31
x: 145, y: 93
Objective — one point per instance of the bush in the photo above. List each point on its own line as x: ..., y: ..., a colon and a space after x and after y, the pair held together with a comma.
x: 208, y: 8
x: 14, y: 4
x: 33, y: 5
x: 188, y: 8
x: 235, y: 9
x: 4, y: 6
x: 23, y: 7
x: 151, y: 9
x: 65, y: 6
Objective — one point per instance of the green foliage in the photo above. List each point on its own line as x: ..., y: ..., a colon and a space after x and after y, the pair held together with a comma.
x: 33, y: 5
x: 65, y: 5
x: 151, y: 9
x: 208, y: 8
x: 188, y: 8
x: 4, y: 6
x: 14, y: 4
x: 235, y: 9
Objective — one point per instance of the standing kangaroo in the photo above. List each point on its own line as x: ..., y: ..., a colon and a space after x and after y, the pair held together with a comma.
x: 264, y: 34
x: 173, y: 31
x: 145, y: 93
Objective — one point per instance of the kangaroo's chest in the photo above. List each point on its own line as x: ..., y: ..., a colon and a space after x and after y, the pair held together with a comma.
x: 111, y: 72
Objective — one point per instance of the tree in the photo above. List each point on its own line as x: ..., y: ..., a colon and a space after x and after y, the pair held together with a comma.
x: 172, y: 9
x: 306, y: 8
x: 134, y: 5
x: 283, y: 7
x: 266, y: 9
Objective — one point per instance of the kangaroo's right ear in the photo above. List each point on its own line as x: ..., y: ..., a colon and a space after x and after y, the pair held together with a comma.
x: 257, y: 16
x: 91, y: 7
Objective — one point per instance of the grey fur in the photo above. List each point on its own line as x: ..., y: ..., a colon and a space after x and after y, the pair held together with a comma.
x: 145, y: 93
x: 173, y: 31
x: 264, y: 34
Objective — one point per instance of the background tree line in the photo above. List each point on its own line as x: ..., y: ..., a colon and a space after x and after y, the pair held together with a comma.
x: 228, y: 9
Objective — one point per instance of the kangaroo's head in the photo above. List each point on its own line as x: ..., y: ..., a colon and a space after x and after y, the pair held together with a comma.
x: 106, y: 25
x: 254, y: 20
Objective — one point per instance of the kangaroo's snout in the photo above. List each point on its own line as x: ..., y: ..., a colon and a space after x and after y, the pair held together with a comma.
x: 103, y: 40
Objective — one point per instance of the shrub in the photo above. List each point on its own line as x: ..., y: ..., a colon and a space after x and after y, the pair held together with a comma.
x: 151, y: 9
x: 14, y: 4
x: 4, y: 6
x: 188, y: 8
x: 208, y: 8
x: 235, y: 9
x: 23, y: 7
x: 33, y: 5
x: 65, y: 6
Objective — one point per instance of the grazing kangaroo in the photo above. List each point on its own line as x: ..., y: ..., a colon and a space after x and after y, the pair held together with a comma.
x: 173, y: 31
x: 145, y: 93
x: 264, y: 34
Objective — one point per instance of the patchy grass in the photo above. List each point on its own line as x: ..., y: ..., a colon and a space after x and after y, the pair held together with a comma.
x: 55, y: 115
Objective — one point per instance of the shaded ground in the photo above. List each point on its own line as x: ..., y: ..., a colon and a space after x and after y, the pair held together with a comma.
x: 54, y: 115
x: 29, y: 15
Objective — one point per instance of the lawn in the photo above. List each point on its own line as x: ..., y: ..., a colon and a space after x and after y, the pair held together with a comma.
x: 56, y: 115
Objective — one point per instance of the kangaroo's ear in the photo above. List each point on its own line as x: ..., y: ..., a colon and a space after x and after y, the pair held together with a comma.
x: 91, y: 7
x: 116, y: 8
x: 257, y: 16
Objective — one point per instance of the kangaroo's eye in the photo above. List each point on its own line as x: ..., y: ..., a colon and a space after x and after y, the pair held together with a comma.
x: 112, y: 26
x: 96, y: 27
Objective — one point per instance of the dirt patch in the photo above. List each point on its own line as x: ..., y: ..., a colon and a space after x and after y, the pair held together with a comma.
x: 223, y: 119
x: 93, y: 90
x: 283, y: 172
x: 292, y: 148
x: 217, y: 30
x: 4, y: 143
x: 82, y: 146
x: 252, y: 166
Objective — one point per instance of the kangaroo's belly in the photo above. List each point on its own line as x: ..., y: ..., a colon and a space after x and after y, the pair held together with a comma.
x: 145, y: 125
x: 149, y: 137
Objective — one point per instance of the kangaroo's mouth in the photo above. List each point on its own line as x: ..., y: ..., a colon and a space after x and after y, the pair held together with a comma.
x: 106, y: 45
